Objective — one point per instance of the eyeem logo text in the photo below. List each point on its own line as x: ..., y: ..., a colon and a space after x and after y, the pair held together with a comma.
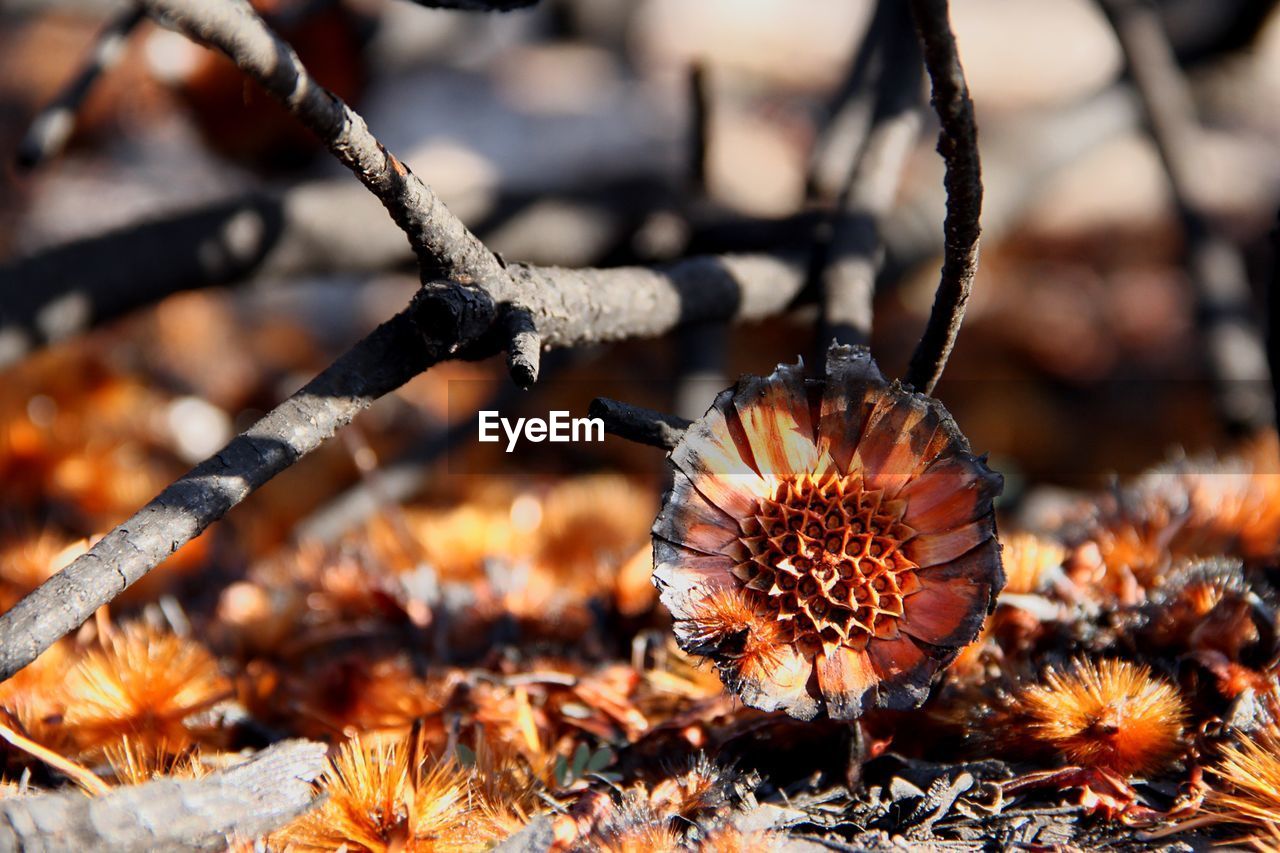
x: 557, y: 427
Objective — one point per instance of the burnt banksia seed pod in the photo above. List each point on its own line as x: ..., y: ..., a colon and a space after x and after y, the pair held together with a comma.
x: 829, y: 545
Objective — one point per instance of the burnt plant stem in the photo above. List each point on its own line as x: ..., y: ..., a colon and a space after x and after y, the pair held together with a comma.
x: 638, y: 424
x: 958, y: 145
x: 524, y: 348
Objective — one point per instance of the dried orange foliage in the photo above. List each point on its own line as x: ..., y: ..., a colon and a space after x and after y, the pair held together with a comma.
x: 1129, y: 541
x: 142, y: 684
x: 387, y: 795
x: 1029, y: 561
x: 1248, y: 774
x: 1112, y: 715
x: 858, y: 528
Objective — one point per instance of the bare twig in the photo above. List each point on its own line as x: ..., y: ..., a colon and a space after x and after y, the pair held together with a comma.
x: 1234, y: 349
x: 700, y: 375
x: 842, y: 127
x: 246, y: 801
x: 854, y: 252
x: 52, y: 127
x: 639, y: 424
x: 699, y: 127
x: 958, y: 145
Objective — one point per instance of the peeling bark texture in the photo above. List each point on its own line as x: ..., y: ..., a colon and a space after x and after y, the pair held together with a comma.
x: 444, y: 246
x: 524, y: 348
x: 1234, y: 351
x: 569, y: 307
x: 245, y: 801
x: 638, y: 424
x: 958, y: 145
x: 854, y: 254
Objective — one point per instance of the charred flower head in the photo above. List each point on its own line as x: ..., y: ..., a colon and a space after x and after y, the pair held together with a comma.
x: 830, y: 546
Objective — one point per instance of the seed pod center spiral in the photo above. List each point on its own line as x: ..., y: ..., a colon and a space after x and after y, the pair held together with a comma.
x: 827, y: 556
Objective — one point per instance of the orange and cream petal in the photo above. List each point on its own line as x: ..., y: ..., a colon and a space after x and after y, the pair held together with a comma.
x: 903, y: 435
x: 718, y: 463
x: 776, y: 422
x: 846, y: 402
x: 950, y: 492
x: 687, y: 518
x: 946, y: 611
x: 981, y: 565
x: 683, y: 576
x: 935, y: 549
x: 847, y: 681
x: 778, y: 681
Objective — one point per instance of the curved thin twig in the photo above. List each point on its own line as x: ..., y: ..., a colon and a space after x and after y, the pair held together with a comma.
x: 958, y: 145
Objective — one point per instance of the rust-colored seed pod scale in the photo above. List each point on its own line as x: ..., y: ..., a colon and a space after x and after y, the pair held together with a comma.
x: 829, y: 545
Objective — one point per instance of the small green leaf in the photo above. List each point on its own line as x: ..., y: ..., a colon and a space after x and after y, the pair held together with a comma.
x: 580, y: 757
x: 602, y: 758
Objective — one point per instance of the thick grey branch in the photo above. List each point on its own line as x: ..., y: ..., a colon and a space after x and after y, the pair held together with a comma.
x: 245, y: 801
x: 958, y: 145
